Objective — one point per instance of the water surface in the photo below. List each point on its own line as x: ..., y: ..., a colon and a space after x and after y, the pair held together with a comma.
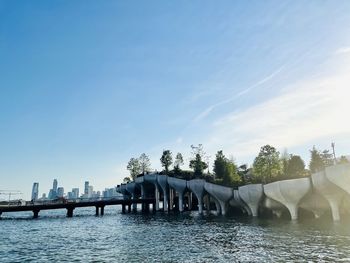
x: 160, y: 237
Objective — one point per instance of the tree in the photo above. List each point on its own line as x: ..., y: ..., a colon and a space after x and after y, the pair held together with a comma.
x: 320, y: 160
x: 145, y: 163
x: 134, y: 168
x: 166, y: 160
x: 295, y: 167
x: 220, y: 165
x: 285, y: 158
x: 267, y: 164
x: 126, y: 179
x: 178, y: 162
x: 343, y: 160
x: 316, y: 162
x: 197, y: 163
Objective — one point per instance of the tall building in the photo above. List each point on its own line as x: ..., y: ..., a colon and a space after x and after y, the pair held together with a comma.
x: 75, y: 192
x: 54, y: 186
x: 86, y: 189
x: 90, y: 191
x: 60, y: 192
x: 35, y: 191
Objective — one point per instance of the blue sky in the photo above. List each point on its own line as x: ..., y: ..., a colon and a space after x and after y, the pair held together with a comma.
x: 86, y: 85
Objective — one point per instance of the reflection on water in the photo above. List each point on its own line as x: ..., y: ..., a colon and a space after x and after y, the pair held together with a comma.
x: 168, y: 238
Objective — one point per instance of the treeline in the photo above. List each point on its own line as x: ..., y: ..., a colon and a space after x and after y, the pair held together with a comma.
x: 268, y: 166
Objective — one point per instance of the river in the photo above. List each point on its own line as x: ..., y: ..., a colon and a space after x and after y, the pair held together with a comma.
x: 161, y: 237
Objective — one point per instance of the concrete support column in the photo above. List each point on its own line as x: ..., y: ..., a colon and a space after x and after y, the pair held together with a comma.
x: 181, y: 202
x: 123, y: 208
x: 335, y: 209
x: 200, y: 205
x: 157, y: 197
x: 134, y: 205
x: 129, y: 208
x: 207, y: 203
x: 218, y: 207
x: 36, y: 213
x: 70, y: 212
x: 190, y: 201
x: 97, y: 211
x: 102, y: 210
x: 165, y: 201
x: 171, y: 197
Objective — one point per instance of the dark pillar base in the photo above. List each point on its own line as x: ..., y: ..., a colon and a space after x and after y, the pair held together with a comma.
x: 154, y: 207
x: 102, y: 210
x: 97, y: 211
x: 70, y: 212
x: 35, y: 213
x: 129, y: 208
x: 123, y: 208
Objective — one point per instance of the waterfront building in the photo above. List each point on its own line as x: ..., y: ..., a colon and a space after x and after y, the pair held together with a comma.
x: 86, y: 188
x: 51, y: 194
x: 90, y: 191
x: 75, y: 192
x: 35, y: 191
x: 54, y: 185
x: 60, y: 192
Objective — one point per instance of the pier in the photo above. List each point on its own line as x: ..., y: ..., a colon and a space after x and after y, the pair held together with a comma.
x: 71, y: 205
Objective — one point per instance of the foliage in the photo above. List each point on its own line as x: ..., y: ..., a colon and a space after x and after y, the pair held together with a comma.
x: 145, y: 163
x: 267, y: 164
x: 197, y: 163
x: 320, y: 160
x: 126, y: 179
x: 225, y: 171
x: 134, y: 168
x: 166, y: 160
x: 295, y: 167
x: 178, y: 162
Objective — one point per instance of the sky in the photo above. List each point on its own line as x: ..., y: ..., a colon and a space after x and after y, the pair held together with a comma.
x: 86, y: 85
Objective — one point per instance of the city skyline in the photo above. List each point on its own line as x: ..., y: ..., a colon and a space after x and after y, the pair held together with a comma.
x: 103, y: 82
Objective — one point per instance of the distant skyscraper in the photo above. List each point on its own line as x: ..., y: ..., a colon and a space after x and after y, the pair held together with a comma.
x: 86, y: 188
x: 54, y: 186
x: 75, y: 192
x: 90, y: 191
x: 35, y: 191
x: 60, y: 192
x: 51, y: 194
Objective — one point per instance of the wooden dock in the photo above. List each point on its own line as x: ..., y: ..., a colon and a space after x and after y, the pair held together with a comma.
x: 71, y: 205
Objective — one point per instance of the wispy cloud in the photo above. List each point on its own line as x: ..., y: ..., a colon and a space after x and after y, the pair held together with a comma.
x: 342, y: 50
x: 259, y: 83
x: 307, y: 110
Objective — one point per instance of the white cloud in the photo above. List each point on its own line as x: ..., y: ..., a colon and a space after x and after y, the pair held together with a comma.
x: 342, y: 50
x: 259, y: 83
x: 309, y: 109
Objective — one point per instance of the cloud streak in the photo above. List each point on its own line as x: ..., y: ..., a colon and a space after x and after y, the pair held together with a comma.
x: 261, y: 82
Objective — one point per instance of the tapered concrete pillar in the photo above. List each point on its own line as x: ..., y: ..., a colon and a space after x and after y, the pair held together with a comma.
x: 102, y: 210
x: 276, y: 207
x: 163, y: 183
x: 152, y: 178
x: 331, y: 192
x: 340, y: 176
x: 237, y: 201
x: 124, y: 192
x: 252, y: 195
x: 197, y: 187
x: 171, y: 199
x: 315, y: 203
x: 289, y: 193
x: 97, y: 211
x: 180, y: 186
x: 222, y: 193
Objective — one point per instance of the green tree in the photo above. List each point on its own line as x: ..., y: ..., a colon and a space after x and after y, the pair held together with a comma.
x: 134, y: 168
x: 316, y: 163
x: 166, y: 160
x: 198, y: 163
x: 295, y: 167
x: 126, y: 179
x: 226, y: 171
x: 145, y: 163
x: 267, y: 164
x: 220, y: 165
x: 320, y: 160
x: 178, y: 162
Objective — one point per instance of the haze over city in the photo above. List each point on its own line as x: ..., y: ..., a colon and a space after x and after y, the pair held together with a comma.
x: 85, y: 86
